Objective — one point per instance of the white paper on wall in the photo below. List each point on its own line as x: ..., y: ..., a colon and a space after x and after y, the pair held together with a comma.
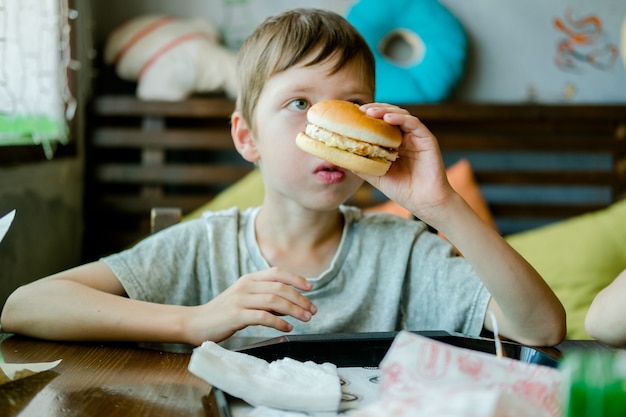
x: 35, y: 100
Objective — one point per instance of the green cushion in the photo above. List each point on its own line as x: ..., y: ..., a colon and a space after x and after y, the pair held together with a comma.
x: 247, y: 192
x: 577, y: 257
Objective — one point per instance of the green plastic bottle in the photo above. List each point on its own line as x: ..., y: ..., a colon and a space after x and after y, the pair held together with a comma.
x: 594, y: 383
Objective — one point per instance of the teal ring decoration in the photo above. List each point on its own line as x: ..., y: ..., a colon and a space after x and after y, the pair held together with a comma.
x: 420, y: 48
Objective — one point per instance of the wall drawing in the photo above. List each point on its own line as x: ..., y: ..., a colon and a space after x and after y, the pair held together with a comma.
x: 584, y: 43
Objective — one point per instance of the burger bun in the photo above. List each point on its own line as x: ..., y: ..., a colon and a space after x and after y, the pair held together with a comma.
x: 340, y: 133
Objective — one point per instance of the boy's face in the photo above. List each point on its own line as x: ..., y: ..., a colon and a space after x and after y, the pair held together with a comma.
x: 289, y: 173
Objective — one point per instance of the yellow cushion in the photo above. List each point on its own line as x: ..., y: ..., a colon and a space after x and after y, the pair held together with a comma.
x: 577, y: 257
x: 247, y: 192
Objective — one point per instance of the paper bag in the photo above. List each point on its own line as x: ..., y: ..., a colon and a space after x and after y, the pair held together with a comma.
x: 425, y: 377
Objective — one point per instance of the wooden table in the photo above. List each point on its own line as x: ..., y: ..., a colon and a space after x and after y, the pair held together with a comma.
x: 96, y: 379
x: 102, y: 380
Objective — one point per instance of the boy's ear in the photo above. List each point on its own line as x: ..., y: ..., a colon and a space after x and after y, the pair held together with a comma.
x: 243, y: 138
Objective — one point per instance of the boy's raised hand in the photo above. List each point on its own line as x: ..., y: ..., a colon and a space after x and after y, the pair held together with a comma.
x: 259, y: 298
x: 417, y: 179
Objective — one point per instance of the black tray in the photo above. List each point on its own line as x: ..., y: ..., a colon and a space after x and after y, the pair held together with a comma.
x: 368, y: 349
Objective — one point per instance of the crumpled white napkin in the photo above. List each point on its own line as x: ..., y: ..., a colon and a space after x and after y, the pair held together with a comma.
x: 429, y: 378
x: 12, y: 370
x: 5, y: 223
x: 284, y: 384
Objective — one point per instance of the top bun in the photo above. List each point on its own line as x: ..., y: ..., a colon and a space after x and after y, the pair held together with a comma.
x: 345, y: 118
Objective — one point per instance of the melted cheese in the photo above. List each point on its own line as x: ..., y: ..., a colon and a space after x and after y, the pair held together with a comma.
x: 346, y: 143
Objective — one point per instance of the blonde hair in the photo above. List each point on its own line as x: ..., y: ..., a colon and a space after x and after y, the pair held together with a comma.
x: 285, y: 40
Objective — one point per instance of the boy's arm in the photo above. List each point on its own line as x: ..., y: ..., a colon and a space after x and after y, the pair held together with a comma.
x: 524, y: 305
x: 88, y: 303
x: 526, y: 309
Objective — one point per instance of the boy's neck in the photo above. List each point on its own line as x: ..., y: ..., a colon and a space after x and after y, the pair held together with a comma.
x: 300, y: 243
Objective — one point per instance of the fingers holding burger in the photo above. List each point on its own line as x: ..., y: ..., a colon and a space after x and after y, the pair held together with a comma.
x: 340, y: 133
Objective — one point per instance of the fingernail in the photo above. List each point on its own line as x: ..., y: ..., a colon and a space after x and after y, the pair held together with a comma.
x: 307, y: 315
x: 313, y: 309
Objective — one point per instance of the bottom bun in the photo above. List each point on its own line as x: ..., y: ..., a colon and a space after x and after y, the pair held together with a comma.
x: 342, y: 158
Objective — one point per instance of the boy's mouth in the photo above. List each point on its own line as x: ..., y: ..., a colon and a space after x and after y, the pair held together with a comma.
x: 329, y: 173
x: 328, y: 167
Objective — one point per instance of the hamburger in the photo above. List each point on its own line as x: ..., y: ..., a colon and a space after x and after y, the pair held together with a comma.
x: 340, y: 133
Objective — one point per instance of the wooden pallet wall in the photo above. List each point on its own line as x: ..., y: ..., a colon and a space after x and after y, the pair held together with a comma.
x: 534, y: 163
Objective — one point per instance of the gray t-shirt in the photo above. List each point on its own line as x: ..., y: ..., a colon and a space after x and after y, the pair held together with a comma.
x: 388, y: 274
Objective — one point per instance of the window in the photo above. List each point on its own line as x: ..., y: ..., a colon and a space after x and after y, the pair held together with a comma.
x: 36, y: 99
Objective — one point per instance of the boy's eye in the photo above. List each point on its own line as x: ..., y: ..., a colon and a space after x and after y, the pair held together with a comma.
x: 299, y: 104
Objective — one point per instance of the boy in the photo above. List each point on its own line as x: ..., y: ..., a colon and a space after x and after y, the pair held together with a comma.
x: 303, y: 262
